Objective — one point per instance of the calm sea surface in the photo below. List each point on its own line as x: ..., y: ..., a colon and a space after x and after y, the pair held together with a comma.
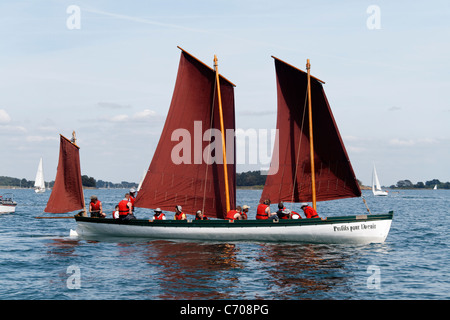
x: 39, y: 260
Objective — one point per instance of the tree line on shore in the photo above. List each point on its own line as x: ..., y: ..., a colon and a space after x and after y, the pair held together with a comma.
x: 88, y: 182
x: 243, y: 179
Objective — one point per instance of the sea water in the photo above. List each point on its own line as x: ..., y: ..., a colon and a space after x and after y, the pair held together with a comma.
x: 40, y: 260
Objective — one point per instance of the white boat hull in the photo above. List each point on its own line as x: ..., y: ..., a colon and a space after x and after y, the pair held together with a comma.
x: 359, y: 229
x: 380, y: 193
x: 4, y: 208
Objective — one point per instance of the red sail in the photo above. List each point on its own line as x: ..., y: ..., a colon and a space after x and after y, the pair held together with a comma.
x: 334, y: 175
x: 178, y: 173
x: 67, y: 193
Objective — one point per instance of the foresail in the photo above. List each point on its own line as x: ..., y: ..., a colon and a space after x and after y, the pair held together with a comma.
x: 187, y: 168
x: 67, y: 193
x: 289, y: 178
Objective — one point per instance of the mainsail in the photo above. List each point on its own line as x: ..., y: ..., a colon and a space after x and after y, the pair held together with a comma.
x: 67, y: 193
x: 289, y: 180
x: 187, y: 166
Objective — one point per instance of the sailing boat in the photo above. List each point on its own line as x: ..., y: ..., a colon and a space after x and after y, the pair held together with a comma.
x: 175, y: 177
x: 376, y: 186
x: 67, y: 193
x: 39, y: 183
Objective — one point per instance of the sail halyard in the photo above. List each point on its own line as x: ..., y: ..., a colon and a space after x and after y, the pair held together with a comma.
x: 67, y: 193
x: 292, y: 180
x: 187, y: 168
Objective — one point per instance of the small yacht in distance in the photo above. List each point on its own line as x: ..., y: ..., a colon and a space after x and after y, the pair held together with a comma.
x: 376, y: 187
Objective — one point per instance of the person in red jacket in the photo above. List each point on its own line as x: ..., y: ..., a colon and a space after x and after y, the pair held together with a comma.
x: 309, y: 211
x: 234, y: 214
x: 179, y: 215
x: 159, y: 215
x: 263, y: 211
x: 200, y: 216
x: 244, y: 213
x: 125, y: 212
x: 95, y: 208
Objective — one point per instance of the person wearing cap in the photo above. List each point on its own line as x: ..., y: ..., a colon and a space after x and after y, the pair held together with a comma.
x: 200, y: 216
x: 179, y: 215
x: 159, y: 215
x: 132, y: 198
x: 309, y: 211
x: 95, y: 208
x: 244, y: 212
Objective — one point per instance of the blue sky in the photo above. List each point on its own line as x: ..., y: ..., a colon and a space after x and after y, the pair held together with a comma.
x: 112, y: 79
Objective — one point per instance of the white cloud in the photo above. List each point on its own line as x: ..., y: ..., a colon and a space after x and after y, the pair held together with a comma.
x: 4, y: 116
x: 112, y: 105
x: 146, y: 114
x: 138, y: 116
x: 411, y: 142
x: 399, y: 142
x: 120, y: 118
x: 40, y: 138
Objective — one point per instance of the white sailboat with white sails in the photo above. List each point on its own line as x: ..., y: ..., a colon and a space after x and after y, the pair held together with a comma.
x: 376, y: 187
x: 39, y: 183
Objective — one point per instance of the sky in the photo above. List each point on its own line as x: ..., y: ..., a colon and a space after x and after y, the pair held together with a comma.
x: 109, y: 73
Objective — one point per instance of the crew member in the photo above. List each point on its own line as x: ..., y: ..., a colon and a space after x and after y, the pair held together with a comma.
x: 95, y: 208
x: 179, y: 215
x: 244, y: 213
x: 125, y: 212
x: 159, y: 215
x: 309, y: 211
x: 263, y: 211
x: 132, y: 198
x: 200, y: 216
x: 234, y: 214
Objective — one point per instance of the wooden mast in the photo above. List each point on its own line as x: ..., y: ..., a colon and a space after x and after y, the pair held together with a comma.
x: 311, y: 140
x: 225, y: 169
x: 74, y: 142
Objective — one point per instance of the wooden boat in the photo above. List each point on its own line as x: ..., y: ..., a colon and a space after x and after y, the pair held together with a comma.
x: 187, y: 172
x: 7, y: 204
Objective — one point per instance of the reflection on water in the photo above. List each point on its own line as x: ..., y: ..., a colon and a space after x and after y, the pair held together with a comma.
x: 194, y: 270
x: 303, y: 271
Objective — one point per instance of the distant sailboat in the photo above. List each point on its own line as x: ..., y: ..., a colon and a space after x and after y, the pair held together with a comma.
x: 376, y: 187
x: 435, y: 187
x: 39, y: 183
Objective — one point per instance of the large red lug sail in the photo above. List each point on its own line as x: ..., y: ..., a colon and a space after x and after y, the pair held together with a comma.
x: 67, y: 193
x: 290, y: 179
x: 178, y: 173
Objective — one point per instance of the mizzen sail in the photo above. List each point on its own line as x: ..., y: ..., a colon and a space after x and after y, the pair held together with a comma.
x: 67, y: 193
x: 290, y: 179
x: 187, y: 166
